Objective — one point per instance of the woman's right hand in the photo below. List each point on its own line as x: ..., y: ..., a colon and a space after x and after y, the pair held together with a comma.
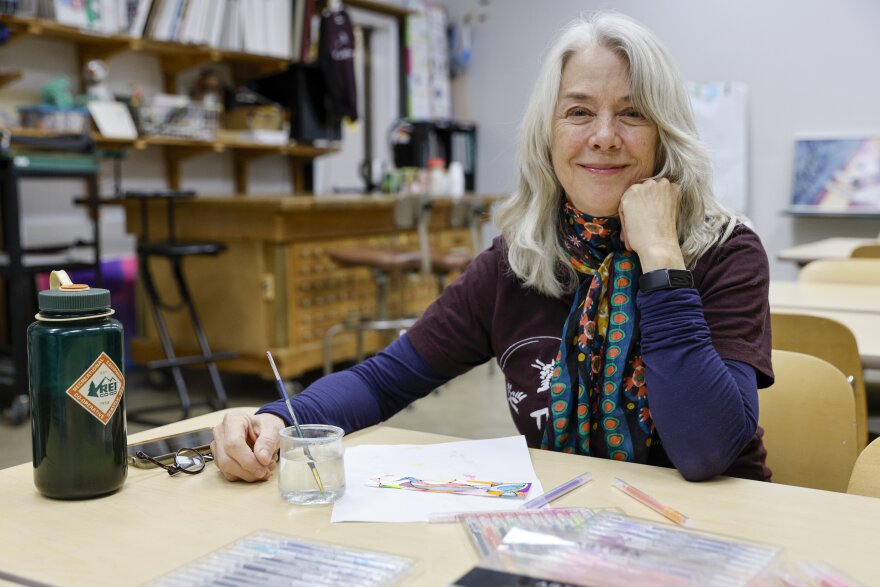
x: 244, y: 445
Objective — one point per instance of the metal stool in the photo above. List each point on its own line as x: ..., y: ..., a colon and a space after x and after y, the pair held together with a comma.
x: 386, y: 263
x: 465, y: 213
x: 175, y: 252
x: 410, y: 212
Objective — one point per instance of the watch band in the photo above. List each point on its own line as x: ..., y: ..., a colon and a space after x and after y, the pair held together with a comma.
x: 665, y: 279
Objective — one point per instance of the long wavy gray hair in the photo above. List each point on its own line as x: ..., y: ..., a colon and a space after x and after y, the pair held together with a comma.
x: 529, y: 218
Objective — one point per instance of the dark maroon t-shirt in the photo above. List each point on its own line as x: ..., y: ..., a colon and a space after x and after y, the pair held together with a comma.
x: 489, y: 313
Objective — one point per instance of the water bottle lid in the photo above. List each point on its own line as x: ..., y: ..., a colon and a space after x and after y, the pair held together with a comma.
x: 68, y: 297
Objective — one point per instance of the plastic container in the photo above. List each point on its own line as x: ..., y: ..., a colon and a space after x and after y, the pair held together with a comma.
x: 456, y: 179
x: 77, y: 384
x: 54, y: 118
x: 438, y: 184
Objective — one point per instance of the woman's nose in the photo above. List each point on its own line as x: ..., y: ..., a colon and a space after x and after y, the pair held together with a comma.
x: 605, y: 136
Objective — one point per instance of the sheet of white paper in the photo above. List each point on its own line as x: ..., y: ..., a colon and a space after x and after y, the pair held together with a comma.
x: 113, y: 120
x: 497, y: 459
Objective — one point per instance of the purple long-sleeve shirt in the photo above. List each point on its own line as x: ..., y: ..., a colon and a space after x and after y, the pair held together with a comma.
x: 705, y: 408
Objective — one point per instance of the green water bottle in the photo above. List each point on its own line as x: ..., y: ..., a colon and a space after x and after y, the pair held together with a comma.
x: 76, y: 363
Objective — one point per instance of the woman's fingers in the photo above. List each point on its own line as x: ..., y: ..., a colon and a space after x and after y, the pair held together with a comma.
x: 232, y: 451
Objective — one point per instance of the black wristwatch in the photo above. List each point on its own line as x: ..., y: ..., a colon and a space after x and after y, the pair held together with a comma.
x: 665, y: 279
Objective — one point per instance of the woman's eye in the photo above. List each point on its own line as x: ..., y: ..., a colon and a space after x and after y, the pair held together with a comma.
x: 578, y: 112
x: 633, y: 114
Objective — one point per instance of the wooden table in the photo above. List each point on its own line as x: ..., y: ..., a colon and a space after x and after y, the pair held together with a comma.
x: 276, y: 286
x: 829, y: 248
x: 856, y: 306
x: 157, y: 523
x: 834, y: 297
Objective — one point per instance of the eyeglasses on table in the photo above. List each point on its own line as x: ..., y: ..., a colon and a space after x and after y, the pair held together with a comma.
x: 186, y: 460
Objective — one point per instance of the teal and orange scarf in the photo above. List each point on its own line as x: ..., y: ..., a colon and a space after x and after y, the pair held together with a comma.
x: 598, y: 397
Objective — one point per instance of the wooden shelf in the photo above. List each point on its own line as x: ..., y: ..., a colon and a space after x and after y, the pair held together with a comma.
x: 90, y: 44
x: 802, y: 211
x: 176, y: 57
x: 179, y: 149
x: 7, y: 76
x: 379, y: 8
x: 173, y: 59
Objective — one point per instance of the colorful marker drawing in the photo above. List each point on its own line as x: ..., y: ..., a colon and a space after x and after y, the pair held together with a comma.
x: 456, y: 486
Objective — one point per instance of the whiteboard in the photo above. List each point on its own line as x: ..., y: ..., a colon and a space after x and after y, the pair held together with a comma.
x: 720, y: 114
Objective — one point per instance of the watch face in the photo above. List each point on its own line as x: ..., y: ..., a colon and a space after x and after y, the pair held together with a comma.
x: 679, y: 278
x: 666, y: 279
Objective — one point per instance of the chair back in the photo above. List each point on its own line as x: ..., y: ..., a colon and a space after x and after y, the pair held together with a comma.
x: 831, y: 341
x: 865, y: 479
x: 871, y: 251
x: 809, y: 421
x: 853, y: 271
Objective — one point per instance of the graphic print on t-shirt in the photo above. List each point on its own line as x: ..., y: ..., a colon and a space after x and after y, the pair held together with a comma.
x: 528, y: 366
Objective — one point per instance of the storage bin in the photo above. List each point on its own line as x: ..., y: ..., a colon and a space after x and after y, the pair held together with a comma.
x: 54, y: 118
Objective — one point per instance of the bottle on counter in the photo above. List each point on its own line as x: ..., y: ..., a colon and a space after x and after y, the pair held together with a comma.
x: 76, y: 362
x: 437, y: 178
x: 455, y: 175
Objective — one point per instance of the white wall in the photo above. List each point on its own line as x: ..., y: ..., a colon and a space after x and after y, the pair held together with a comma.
x: 809, y: 66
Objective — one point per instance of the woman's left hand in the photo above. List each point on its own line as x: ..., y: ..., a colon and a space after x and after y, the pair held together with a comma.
x: 649, y: 215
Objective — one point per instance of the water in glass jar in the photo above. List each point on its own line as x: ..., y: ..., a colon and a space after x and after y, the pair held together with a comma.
x: 297, y: 483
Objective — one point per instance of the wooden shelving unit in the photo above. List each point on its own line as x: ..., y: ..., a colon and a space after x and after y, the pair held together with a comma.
x: 380, y: 8
x: 175, y: 58
x: 9, y: 76
x: 179, y: 149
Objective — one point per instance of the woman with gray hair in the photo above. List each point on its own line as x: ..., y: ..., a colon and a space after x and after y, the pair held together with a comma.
x: 627, y: 309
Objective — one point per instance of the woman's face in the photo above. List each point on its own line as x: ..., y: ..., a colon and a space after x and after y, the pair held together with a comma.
x: 601, y: 144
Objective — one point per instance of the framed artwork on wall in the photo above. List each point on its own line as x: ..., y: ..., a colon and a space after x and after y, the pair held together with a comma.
x: 837, y: 174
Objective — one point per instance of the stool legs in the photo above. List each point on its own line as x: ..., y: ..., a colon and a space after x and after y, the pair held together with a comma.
x: 328, y: 346
x: 172, y: 361
x: 383, y: 280
x: 214, y: 373
x: 159, y: 321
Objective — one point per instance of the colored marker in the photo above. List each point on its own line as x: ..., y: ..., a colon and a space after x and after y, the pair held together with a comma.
x: 557, y: 492
x: 645, y: 499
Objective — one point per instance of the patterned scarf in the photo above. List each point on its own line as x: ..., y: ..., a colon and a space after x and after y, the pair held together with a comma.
x: 598, y: 396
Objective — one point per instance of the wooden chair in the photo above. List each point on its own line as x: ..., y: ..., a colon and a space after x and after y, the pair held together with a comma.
x: 809, y: 424
x: 831, y: 341
x: 865, y: 479
x: 858, y: 271
x: 853, y: 271
x: 871, y: 251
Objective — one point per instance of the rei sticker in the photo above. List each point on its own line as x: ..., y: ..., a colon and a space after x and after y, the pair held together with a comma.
x: 99, y: 389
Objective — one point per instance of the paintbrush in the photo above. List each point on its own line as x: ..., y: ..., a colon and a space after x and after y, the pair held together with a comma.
x: 283, y: 390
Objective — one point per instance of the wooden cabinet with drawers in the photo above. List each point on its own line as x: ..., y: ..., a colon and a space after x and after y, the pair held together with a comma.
x: 275, y: 288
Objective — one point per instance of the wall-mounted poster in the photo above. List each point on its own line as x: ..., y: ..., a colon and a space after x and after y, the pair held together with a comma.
x: 721, y: 117
x: 837, y: 174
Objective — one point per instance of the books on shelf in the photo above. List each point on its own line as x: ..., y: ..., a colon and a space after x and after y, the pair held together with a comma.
x: 286, y: 29
x: 102, y: 16
x: 276, y: 28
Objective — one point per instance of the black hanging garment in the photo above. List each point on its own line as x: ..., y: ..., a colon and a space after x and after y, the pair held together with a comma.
x: 336, y: 62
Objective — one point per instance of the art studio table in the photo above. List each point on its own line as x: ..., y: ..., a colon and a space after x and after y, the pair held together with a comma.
x: 856, y: 306
x: 833, y: 297
x: 156, y: 523
x: 828, y: 248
